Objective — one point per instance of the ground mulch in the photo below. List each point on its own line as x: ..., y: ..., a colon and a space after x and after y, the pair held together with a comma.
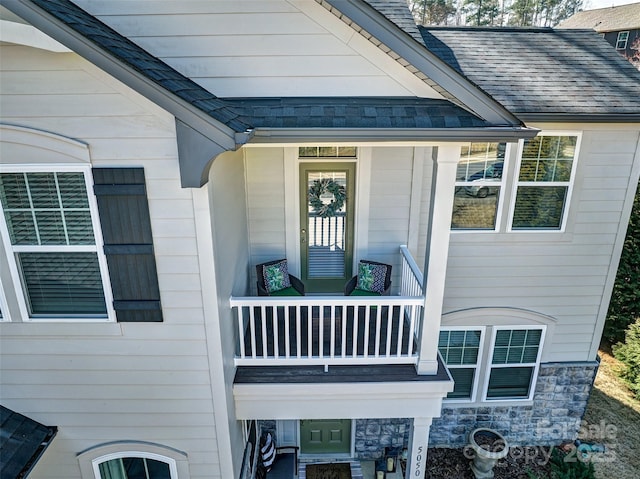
x: 445, y: 463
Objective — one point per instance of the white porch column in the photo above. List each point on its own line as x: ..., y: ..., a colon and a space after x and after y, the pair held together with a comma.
x: 418, y: 443
x: 435, y: 268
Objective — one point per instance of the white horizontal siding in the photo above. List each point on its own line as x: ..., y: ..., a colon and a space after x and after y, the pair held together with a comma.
x: 270, y: 48
x: 108, y: 382
x: 562, y: 275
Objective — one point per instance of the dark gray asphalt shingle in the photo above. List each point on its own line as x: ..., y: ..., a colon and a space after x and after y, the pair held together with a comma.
x: 541, y: 70
x: 342, y: 112
x: 398, y: 12
x: 22, y: 442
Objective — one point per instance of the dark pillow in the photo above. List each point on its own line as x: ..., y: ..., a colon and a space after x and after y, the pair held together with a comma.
x: 371, y: 277
x: 276, y: 276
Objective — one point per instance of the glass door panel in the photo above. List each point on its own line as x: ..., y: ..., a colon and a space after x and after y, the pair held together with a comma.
x: 326, y: 235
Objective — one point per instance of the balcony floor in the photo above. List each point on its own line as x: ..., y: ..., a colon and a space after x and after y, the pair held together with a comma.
x: 345, y: 328
x: 335, y: 374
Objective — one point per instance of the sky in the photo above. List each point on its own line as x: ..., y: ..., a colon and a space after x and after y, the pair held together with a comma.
x: 593, y: 4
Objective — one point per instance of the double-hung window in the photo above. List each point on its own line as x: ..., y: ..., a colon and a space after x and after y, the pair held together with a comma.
x: 492, y: 363
x: 621, y: 41
x: 545, y: 175
x: 514, y: 361
x: 461, y: 350
x: 49, y: 229
x: 479, y: 185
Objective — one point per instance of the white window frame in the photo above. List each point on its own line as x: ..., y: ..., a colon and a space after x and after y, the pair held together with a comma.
x: 569, y: 184
x: 173, y: 469
x: 477, y: 367
x: 97, y: 247
x: 624, y: 40
x: 502, y: 184
x: 489, y: 366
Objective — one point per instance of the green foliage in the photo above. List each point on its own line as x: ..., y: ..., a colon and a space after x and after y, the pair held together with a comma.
x: 629, y: 354
x: 569, y: 466
x: 481, y: 12
x: 625, y: 299
x: 433, y: 12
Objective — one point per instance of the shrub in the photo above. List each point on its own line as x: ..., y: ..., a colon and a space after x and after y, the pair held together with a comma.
x: 625, y: 299
x: 629, y: 354
x: 570, y: 467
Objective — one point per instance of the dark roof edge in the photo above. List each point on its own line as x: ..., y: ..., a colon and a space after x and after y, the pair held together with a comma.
x: 582, y: 118
x: 387, y: 135
x: 428, y: 63
x: 218, y: 132
x: 53, y: 430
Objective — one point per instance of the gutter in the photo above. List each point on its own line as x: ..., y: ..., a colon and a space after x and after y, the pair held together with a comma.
x: 388, y: 135
x: 581, y: 117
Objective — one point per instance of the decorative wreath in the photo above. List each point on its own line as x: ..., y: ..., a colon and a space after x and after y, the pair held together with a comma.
x: 326, y: 187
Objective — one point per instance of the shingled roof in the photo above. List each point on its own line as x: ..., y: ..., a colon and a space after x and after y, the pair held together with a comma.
x: 398, y: 12
x: 22, y: 442
x: 540, y: 73
x: 343, y: 112
x: 610, y: 19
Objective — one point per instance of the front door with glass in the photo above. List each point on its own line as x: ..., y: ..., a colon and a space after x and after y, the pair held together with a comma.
x: 326, y: 225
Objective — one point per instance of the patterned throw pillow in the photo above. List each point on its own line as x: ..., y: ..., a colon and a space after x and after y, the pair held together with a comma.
x: 276, y: 276
x: 371, y: 277
x: 268, y: 451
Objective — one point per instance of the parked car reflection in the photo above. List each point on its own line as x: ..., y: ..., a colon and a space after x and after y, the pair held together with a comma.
x: 481, y: 190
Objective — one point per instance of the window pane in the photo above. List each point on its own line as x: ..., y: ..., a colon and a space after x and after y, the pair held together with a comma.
x: 463, y: 379
x: 22, y: 229
x: 308, y: 151
x: 134, y: 467
x: 347, y: 151
x: 475, y: 207
x: 13, y: 191
x: 500, y: 355
x: 539, y: 207
x: 503, y: 337
x: 327, y: 151
x: 158, y: 469
x: 509, y: 382
x: 454, y: 356
x: 62, y: 283
x: 533, y: 337
x: 44, y: 193
x: 46, y: 208
x: 472, y: 338
x: 470, y: 355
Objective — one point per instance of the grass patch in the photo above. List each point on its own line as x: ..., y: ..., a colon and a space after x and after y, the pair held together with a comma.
x: 614, y: 415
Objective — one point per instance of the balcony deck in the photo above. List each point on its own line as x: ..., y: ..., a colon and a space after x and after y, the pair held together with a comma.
x: 332, y: 330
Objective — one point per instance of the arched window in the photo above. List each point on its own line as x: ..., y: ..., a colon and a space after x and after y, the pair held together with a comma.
x: 134, y: 465
x: 133, y: 460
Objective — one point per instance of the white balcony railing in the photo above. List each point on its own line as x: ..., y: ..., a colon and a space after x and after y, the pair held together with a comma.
x: 331, y: 330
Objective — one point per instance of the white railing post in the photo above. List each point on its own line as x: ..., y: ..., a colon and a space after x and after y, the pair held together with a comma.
x: 270, y: 328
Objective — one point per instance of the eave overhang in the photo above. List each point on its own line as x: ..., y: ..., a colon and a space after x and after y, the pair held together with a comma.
x: 456, y: 87
x: 216, y: 134
x: 581, y: 117
x: 388, y: 135
x: 22, y: 441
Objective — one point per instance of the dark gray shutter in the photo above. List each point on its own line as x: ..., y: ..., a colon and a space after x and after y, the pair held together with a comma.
x: 128, y: 244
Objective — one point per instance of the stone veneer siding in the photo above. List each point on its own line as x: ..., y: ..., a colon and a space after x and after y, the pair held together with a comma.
x: 559, y: 402
x: 373, y: 435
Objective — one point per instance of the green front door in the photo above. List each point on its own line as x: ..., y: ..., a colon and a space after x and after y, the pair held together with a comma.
x: 325, y: 436
x: 326, y: 225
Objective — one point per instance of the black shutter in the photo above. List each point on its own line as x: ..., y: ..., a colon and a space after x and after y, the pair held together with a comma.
x: 128, y: 244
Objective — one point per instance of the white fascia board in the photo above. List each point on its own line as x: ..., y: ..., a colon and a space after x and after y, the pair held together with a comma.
x: 345, y: 400
x: 27, y: 35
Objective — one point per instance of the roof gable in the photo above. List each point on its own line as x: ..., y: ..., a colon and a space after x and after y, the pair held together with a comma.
x: 610, y: 19
x: 567, y: 75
